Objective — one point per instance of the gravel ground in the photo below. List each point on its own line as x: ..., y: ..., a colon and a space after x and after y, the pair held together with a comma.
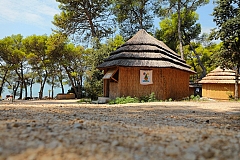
x: 60, y: 130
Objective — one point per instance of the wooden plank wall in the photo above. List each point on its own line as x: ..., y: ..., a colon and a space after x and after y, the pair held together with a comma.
x: 167, y: 83
x: 218, y: 91
x: 114, y: 92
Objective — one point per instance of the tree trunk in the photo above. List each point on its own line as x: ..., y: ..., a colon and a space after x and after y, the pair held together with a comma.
x: 72, y: 82
x: 62, y: 87
x: 22, y: 81
x: 15, y: 88
x: 236, y: 82
x: 42, y: 86
x: 204, y: 71
x: 179, y: 30
x: 90, y: 20
x: 79, y: 91
x: 25, y: 86
x: 2, y: 82
x: 31, y: 84
x: 52, y: 91
x: 61, y: 80
x: 195, y: 69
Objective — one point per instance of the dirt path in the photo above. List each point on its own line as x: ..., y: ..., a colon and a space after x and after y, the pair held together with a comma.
x: 163, y: 130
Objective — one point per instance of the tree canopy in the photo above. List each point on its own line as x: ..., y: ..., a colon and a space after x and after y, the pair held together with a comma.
x: 168, y: 7
x: 227, y: 16
x: 133, y: 15
x: 85, y: 18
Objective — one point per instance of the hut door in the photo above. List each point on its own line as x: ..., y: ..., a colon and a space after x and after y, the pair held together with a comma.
x: 107, y: 87
x: 110, y: 75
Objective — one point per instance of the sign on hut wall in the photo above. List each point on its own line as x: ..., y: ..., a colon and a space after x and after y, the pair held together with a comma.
x: 146, y: 77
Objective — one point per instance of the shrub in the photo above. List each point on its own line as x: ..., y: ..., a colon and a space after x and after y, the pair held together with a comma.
x: 124, y: 100
x: 128, y: 99
x: 148, y: 98
x: 152, y: 97
x: 195, y: 98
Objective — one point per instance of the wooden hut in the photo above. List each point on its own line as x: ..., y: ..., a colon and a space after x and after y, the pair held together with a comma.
x: 144, y: 65
x: 219, y: 84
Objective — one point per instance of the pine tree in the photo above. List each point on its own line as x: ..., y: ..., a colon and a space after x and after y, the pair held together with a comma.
x: 227, y: 16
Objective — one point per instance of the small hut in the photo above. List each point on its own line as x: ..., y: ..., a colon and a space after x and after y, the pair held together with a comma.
x: 144, y: 65
x: 219, y: 84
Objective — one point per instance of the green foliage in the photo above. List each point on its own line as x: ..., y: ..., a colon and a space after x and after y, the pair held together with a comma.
x: 84, y: 100
x: 148, y: 98
x: 192, y: 98
x: 226, y: 16
x: 166, y: 8
x: 128, y: 99
x: 114, y: 43
x: 93, y: 77
x: 195, y: 98
x: 206, y: 52
x: 86, y: 19
x: 168, y: 32
x: 124, y: 100
x: 35, y: 46
x: 12, y: 55
x: 133, y: 15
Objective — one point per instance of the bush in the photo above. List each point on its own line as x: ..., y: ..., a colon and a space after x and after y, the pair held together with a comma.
x: 195, y: 98
x: 124, y: 100
x: 148, y: 98
x: 128, y: 99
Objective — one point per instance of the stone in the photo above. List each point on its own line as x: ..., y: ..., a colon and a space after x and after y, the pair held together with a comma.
x: 172, y: 150
x: 190, y: 156
x: 78, y: 126
x: 16, y: 125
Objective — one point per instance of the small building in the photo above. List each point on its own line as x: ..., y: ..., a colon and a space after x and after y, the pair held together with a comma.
x: 195, y: 89
x: 219, y: 84
x: 144, y: 65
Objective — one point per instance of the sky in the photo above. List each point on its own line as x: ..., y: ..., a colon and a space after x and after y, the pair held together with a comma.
x: 28, y: 17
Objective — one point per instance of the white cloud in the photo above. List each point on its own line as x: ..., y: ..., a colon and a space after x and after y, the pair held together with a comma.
x: 206, y: 29
x: 28, y: 11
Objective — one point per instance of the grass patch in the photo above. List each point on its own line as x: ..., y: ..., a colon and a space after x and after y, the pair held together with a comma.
x: 84, y: 100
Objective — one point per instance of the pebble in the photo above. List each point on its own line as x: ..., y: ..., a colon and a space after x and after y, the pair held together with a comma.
x: 190, y: 156
x: 172, y: 150
x: 141, y: 131
x: 78, y: 125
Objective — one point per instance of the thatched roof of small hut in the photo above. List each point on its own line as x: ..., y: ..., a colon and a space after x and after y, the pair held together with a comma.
x: 143, y: 50
x: 219, y: 75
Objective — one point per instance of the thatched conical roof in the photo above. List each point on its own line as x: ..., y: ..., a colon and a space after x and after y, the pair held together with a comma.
x: 219, y: 75
x: 143, y: 50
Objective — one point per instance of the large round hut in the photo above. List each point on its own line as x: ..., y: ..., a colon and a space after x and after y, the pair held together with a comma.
x: 219, y: 84
x: 144, y: 65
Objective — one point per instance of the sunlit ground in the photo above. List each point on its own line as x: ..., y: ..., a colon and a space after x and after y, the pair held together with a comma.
x: 162, y: 130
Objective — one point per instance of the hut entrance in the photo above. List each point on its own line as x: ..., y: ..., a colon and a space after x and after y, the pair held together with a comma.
x: 110, y: 76
x: 107, y: 82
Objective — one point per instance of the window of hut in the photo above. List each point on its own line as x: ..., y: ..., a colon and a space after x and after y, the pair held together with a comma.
x: 112, y: 75
x: 115, y: 76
